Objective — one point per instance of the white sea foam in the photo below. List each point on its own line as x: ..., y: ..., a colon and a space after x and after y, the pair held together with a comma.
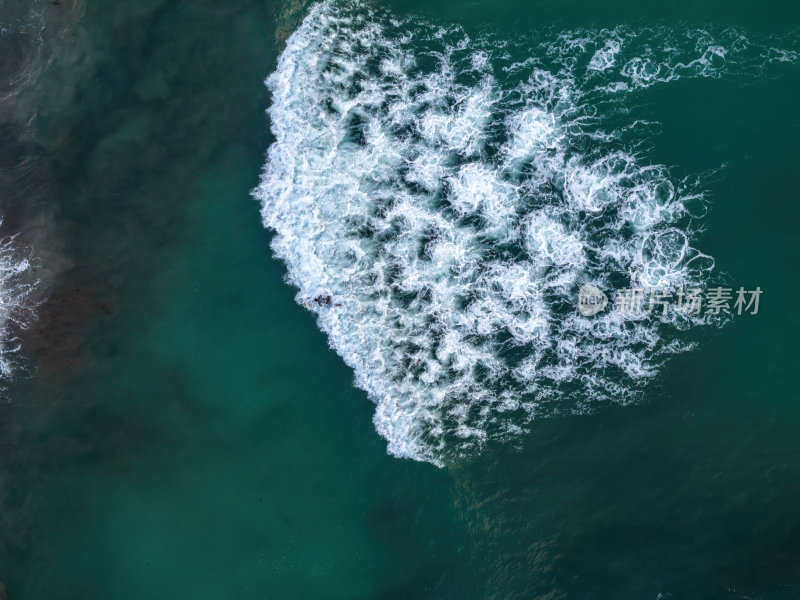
x: 605, y: 57
x: 452, y: 218
x: 16, y: 292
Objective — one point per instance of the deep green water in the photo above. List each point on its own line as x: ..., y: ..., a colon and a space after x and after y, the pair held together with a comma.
x: 185, y: 431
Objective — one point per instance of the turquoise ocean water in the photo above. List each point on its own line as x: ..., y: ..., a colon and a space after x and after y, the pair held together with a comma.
x: 181, y: 425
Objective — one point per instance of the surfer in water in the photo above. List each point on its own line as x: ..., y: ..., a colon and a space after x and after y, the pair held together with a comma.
x: 323, y: 300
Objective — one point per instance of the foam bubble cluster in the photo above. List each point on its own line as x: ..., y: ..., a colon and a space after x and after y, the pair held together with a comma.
x: 451, y: 201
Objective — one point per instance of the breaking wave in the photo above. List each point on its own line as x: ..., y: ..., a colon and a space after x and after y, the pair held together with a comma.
x: 451, y: 201
x: 16, y: 302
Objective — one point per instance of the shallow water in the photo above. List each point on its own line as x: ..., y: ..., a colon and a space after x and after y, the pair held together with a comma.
x: 185, y: 430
